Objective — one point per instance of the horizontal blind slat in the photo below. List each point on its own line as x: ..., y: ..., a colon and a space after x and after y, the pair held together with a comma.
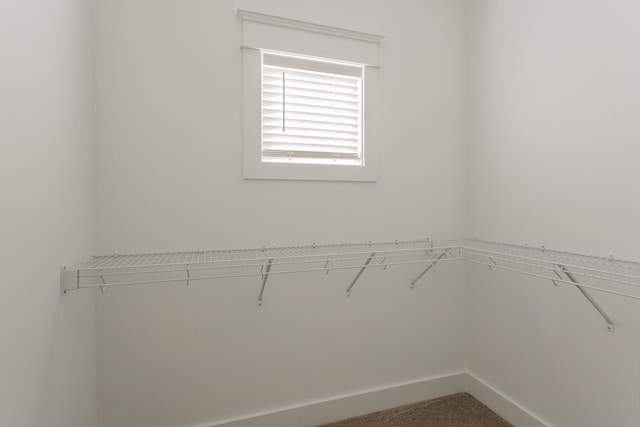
x: 312, y: 117
x: 309, y: 154
x: 311, y: 101
x: 311, y: 93
x: 310, y: 147
x: 309, y: 124
x: 276, y: 80
x: 311, y: 109
x: 314, y: 133
x: 329, y: 144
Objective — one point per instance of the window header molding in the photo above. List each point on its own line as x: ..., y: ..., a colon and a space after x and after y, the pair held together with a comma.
x: 246, y: 15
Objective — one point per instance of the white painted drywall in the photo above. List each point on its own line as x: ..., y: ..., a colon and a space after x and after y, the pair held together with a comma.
x: 168, y: 119
x: 47, y: 354
x: 553, y: 154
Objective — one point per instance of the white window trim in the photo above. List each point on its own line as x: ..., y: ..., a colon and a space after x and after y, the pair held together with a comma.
x: 304, y: 38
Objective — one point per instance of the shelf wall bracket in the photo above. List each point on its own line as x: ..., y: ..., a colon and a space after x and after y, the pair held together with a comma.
x: 432, y: 264
x: 495, y: 265
x: 355, y: 279
x: 70, y: 280
x: 610, y: 325
x: 265, y: 276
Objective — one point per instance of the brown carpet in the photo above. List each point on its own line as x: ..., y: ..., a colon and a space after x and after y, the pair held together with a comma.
x: 456, y: 410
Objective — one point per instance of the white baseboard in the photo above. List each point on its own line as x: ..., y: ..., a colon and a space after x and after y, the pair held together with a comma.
x: 501, y: 404
x: 351, y: 405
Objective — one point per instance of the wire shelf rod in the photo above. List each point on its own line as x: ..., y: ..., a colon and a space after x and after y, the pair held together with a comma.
x: 549, y: 264
x: 317, y: 247
x: 226, y: 276
x: 546, y: 257
x: 529, y: 264
x: 595, y: 288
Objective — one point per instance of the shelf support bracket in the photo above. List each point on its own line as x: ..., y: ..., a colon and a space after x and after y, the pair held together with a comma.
x: 610, y: 325
x: 355, y: 279
x: 495, y: 265
x: 432, y: 264
x: 265, y: 276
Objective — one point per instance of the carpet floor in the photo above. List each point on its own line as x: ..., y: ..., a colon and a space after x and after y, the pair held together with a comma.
x: 456, y: 410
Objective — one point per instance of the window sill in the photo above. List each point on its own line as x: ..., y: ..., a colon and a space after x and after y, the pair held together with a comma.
x: 307, y: 172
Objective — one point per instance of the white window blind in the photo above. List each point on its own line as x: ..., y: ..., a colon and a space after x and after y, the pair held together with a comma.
x: 311, y: 111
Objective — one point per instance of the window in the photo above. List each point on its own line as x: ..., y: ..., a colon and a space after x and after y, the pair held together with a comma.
x: 311, y: 111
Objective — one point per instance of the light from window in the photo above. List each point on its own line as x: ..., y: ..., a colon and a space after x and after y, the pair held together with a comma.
x: 311, y: 111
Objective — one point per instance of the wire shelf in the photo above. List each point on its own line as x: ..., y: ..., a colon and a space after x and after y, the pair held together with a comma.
x: 103, y: 265
x: 119, y: 270
x: 526, y: 258
x: 618, y: 277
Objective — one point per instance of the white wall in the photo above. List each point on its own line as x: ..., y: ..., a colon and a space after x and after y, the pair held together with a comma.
x: 168, y: 177
x: 47, y: 356
x: 553, y: 155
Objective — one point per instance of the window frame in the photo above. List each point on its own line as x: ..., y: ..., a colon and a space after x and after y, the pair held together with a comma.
x: 268, y: 33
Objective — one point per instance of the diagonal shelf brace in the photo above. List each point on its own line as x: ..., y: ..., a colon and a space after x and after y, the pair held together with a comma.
x: 557, y: 274
x: 610, y: 325
x: 355, y: 279
x: 265, y: 276
x: 433, y: 263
